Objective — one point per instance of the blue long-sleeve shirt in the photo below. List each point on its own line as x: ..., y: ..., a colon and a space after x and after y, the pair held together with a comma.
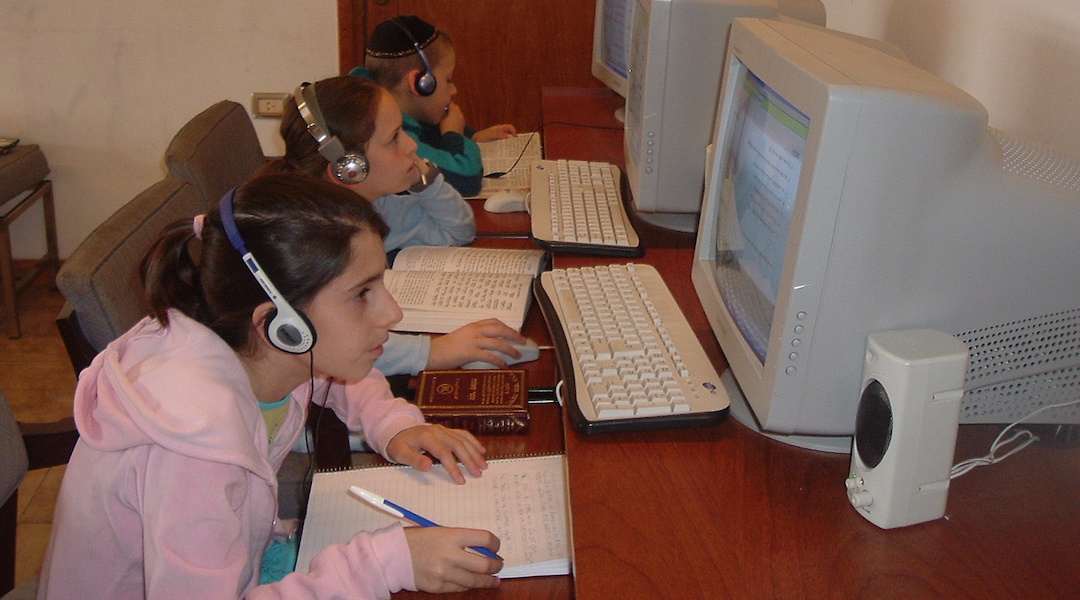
x: 436, y: 216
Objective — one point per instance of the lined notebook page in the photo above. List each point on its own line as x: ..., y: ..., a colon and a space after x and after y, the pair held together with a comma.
x: 520, y: 500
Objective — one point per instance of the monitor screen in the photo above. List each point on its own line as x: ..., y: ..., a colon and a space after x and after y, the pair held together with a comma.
x: 849, y: 192
x: 761, y: 176
x: 611, y: 43
x: 675, y: 73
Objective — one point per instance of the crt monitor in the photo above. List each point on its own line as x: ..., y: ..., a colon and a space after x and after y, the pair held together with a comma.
x: 850, y: 192
x: 676, y: 50
x: 611, y: 43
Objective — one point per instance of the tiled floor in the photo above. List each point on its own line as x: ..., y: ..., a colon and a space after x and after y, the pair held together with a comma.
x: 38, y: 380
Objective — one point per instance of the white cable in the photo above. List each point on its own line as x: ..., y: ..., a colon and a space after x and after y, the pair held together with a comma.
x: 558, y: 393
x: 1023, y: 438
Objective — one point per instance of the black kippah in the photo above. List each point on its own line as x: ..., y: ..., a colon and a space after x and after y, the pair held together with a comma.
x: 394, y: 38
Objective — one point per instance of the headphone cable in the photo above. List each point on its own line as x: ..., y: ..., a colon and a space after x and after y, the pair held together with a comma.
x: 498, y: 174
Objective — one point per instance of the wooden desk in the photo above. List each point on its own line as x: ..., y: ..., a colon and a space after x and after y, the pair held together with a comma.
x: 722, y: 512
x: 500, y: 225
x: 579, y: 124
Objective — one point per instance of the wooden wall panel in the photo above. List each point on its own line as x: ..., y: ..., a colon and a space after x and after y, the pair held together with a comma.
x: 507, y: 50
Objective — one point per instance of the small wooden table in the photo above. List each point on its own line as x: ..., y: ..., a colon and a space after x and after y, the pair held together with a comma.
x: 23, y: 172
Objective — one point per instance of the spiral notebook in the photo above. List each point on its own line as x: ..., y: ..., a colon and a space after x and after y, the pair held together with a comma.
x: 523, y: 501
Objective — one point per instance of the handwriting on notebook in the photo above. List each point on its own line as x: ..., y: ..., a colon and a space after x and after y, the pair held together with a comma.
x: 521, y: 500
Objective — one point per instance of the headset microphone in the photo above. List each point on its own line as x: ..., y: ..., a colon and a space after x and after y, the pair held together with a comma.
x: 288, y: 329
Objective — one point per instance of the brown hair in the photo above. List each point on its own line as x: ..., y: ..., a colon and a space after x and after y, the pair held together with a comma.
x: 349, y: 106
x: 298, y: 228
x: 389, y: 72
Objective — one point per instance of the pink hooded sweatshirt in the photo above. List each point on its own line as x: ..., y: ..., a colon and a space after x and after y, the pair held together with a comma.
x: 171, y: 491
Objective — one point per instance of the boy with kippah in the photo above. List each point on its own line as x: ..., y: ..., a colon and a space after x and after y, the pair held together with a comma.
x: 415, y: 61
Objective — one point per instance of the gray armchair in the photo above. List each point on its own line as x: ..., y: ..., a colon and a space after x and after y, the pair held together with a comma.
x: 100, y: 280
x: 217, y: 150
x: 13, y: 465
x: 23, y: 447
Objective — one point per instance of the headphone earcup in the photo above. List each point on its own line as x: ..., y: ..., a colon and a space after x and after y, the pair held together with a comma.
x: 351, y: 168
x: 289, y: 330
x: 425, y: 83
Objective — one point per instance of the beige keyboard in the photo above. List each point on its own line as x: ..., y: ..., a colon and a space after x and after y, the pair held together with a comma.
x: 628, y: 357
x: 577, y: 206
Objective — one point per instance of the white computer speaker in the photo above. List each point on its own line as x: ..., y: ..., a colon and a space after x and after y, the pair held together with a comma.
x: 905, y: 430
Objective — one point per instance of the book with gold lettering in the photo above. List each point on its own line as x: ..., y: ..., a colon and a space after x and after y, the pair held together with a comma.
x: 479, y: 401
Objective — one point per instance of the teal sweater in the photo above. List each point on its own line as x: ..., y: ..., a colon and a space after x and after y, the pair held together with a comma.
x: 456, y: 155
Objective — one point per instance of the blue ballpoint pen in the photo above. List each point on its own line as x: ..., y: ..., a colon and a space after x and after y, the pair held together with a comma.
x: 403, y: 513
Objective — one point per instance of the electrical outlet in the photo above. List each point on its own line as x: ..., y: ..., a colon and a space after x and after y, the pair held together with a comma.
x: 268, y: 104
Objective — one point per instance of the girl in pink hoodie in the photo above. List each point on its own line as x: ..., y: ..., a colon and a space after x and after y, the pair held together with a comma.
x: 256, y: 309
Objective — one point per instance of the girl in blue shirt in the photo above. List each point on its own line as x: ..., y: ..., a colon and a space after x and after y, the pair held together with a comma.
x: 410, y: 194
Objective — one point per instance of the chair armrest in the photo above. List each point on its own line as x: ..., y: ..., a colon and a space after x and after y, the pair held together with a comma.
x: 79, y: 349
x: 49, y: 444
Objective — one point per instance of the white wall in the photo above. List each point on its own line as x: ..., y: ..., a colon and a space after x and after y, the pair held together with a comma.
x: 102, y: 85
x: 1019, y: 58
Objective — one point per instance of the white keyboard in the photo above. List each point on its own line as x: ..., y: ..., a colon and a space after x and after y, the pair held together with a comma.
x: 628, y: 357
x: 577, y: 206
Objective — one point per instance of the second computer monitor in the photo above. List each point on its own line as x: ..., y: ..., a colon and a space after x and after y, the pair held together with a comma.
x: 676, y: 50
x: 611, y: 43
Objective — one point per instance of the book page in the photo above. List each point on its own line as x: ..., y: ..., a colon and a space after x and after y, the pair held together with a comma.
x: 519, y: 178
x: 459, y: 292
x: 436, y: 302
x: 469, y: 259
x: 521, y: 500
x: 514, y: 157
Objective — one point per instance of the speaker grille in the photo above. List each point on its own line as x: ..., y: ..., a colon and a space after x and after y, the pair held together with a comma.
x: 1036, y: 161
x: 873, y: 424
x: 1016, y: 368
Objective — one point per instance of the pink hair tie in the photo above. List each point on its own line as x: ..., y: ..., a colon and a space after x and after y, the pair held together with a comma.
x: 197, y: 225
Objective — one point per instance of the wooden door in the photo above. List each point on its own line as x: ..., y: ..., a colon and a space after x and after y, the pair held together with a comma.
x: 507, y: 50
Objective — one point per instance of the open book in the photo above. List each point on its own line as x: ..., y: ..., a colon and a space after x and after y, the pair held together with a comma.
x: 442, y: 288
x: 514, y: 157
x: 523, y: 501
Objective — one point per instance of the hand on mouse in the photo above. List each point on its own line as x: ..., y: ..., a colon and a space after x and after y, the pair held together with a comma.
x: 474, y: 342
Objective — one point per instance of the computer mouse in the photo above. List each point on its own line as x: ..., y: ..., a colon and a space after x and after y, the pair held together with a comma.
x: 530, y: 351
x: 504, y: 201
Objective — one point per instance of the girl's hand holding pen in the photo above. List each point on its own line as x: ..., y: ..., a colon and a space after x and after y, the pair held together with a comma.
x: 442, y: 561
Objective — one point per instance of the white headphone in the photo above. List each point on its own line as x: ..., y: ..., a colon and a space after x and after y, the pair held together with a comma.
x: 288, y: 329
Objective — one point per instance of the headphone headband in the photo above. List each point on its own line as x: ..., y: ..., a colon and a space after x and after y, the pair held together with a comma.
x: 308, y: 104
x: 288, y: 329
x: 425, y: 82
x: 349, y: 167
